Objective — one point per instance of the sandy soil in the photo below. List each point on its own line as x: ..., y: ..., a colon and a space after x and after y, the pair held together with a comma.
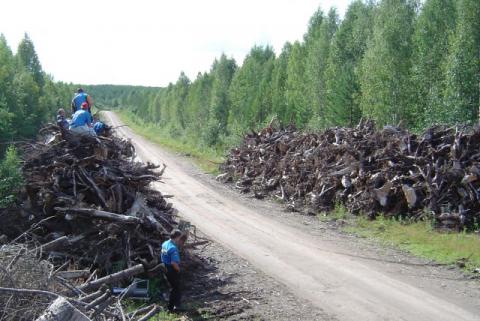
x: 320, y: 273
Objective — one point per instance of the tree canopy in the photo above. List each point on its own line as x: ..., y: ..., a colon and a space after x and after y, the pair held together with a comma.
x: 395, y: 61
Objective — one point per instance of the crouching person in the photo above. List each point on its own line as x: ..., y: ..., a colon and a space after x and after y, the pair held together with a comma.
x: 62, y: 122
x: 81, y: 122
x: 171, y: 259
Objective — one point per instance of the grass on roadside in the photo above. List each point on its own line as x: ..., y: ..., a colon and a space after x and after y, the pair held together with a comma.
x: 418, y: 238
x: 194, y: 314
x: 207, y: 158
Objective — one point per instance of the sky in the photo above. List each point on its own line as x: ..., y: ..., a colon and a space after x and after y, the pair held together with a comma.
x: 149, y: 42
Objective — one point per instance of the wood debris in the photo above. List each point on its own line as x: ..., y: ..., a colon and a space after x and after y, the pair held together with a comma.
x: 89, y: 211
x: 391, y: 171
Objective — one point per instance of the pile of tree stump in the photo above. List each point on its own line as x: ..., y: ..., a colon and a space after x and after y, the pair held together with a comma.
x: 88, y: 209
x: 433, y: 175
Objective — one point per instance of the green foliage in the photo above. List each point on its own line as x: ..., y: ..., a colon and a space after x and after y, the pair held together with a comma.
x: 10, y: 177
x: 205, y: 156
x: 27, y: 59
x: 28, y: 97
x: 385, y: 81
x: 344, y: 66
x: 462, y: 91
x: 434, y: 27
x: 390, y: 60
x: 250, y: 90
x: 279, y: 84
x: 317, y: 53
x: 298, y: 109
x: 223, y: 71
x: 421, y: 239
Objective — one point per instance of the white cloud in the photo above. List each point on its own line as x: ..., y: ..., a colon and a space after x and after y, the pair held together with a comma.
x: 148, y: 42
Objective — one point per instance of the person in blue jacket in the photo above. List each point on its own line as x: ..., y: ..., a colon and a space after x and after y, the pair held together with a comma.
x: 170, y: 257
x: 80, y: 98
x: 81, y: 122
x: 62, y: 122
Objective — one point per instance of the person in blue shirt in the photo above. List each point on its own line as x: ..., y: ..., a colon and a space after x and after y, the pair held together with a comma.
x: 98, y: 126
x: 80, y: 98
x: 170, y: 257
x: 81, y: 122
x: 62, y: 122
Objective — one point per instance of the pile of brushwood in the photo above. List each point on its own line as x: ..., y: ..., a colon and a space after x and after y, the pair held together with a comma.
x: 434, y: 175
x: 86, y: 220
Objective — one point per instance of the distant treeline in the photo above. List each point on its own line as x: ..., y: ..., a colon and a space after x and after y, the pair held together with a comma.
x: 391, y: 60
x: 28, y: 96
x: 119, y: 95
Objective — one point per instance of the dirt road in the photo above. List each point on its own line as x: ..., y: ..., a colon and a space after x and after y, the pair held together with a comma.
x: 345, y: 287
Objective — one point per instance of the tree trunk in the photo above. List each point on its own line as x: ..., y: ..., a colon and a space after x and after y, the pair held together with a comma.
x: 112, y: 278
x: 62, y: 310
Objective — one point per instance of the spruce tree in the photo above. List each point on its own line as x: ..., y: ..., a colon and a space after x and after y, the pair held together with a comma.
x: 7, y: 98
x: 27, y: 58
x: 279, y: 80
x: 180, y: 103
x: 343, y: 67
x: 246, y: 91
x: 317, y: 53
x: 298, y: 109
x: 222, y: 72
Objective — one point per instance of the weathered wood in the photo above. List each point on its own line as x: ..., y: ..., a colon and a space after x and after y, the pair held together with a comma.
x: 91, y: 296
x: 55, y: 244
x: 85, y: 185
x: 156, y: 309
x: 98, y: 300
x: 99, y: 309
x: 62, y: 310
x: 100, y: 215
x: 140, y: 311
x: 112, y: 278
x: 410, y: 195
x: 381, y: 194
x: 75, y: 274
x: 48, y: 294
x: 365, y: 169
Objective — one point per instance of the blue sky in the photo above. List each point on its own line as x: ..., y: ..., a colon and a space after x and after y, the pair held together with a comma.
x: 149, y: 42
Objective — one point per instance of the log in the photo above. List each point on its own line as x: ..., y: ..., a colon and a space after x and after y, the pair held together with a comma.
x: 112, y: 278
x: 91, y: 296
x: 98, y: 300
x: 140, y: 311
x: 12, y: 291
x: 89, y: 212
x: 410, y: 195
x: 156, y: 309
x: 103, y: 306
x: 381, y: 194
x: 55, y: 244
x: 62, y: 310
x: 96, y: 189
x: 75, y: 274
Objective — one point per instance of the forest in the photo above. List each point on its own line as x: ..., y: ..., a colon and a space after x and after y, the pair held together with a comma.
x: 29, y: 97
x: 394, y: 61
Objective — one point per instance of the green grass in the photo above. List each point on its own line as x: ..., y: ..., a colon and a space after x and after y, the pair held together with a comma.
x: 207, y: 158
x: 340, y: 213
x: 165, y: 316
x: 418, y: 238
x: 131, y: 305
